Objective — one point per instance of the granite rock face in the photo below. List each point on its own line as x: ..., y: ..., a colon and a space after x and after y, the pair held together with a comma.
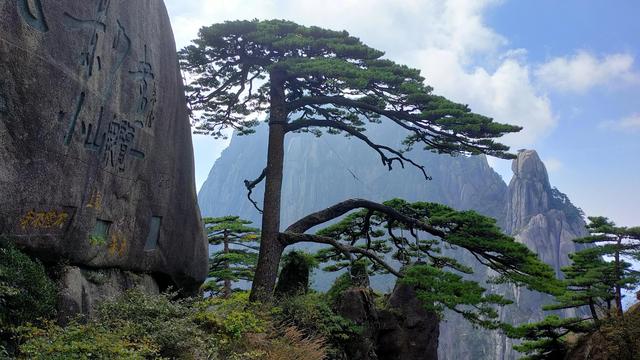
x: 81, y: 289
x: 402, y: 330
x: 529, y: 190
x: 357, y: 305
x: 540, y: 216
x: 96, y: 161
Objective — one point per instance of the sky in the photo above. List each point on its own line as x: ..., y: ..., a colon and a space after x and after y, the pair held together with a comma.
x: 567, y: 71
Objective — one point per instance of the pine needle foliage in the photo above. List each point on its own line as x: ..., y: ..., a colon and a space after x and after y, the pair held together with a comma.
x: 328, y: 75
x: 546, y: 340
x: 438, y: 279
x: 621, y: 244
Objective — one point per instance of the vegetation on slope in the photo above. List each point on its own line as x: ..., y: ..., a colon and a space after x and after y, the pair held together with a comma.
x: 27, y: 295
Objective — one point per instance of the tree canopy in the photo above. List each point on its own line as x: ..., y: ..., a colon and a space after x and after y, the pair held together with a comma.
x: 618, y: 243
x: 329, y: 79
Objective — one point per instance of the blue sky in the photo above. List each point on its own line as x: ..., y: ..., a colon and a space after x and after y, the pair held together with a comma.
x: 567, y: 71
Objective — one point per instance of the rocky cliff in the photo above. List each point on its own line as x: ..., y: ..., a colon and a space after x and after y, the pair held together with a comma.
x: 96, y: 161
x: 542, y: 218
x: 320, y: 172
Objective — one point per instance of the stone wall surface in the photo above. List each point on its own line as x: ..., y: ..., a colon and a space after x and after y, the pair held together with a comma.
x: 96, y: 161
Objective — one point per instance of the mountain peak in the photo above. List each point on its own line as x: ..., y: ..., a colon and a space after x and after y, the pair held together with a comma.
x: 529, y: 190
x: 529, y: 166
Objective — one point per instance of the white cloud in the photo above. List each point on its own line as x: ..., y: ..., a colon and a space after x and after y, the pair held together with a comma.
x: 553, y: 164
x: 505, y: 94
x: 442, y: 38
x: 629, y: 123
x: 584, y: 71
x: 398, y: 27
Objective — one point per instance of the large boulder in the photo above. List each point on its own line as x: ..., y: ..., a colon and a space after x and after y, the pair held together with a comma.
x: 357, y: 305
x: 407, y: 330
x: 96, y: 161
x: 402, y: 330
x: 82, y: 289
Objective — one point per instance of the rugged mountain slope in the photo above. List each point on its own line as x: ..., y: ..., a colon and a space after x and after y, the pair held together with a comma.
x: 320, y: 172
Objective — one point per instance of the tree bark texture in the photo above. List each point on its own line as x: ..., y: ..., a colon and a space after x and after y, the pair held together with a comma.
x: 226, y: 292
x: 619, y: 275
x: 270, y: 247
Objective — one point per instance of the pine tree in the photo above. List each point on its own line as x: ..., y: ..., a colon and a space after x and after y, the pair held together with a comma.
x: 597, y: 276
x: 620, y: 243
x: 237, y: 259
x: 545, y: 340
x: 312, y: 79
x: 589, y: 281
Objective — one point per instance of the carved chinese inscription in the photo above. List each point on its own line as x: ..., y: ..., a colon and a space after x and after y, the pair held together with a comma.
x: 99, y: 59
x: 93, y: 139
x: 43, y: 220
x: 32, y: 13
x: 145, y: 79
x: 119, y: 145
x: 95, y: 201
x: 102, y: 55
x: 117, y: 245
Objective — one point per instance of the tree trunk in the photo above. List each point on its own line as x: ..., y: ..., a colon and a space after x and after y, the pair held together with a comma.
x: 226, y: 290
x: 594, y: 313
x: 270, y: 247
x: 618, y: 296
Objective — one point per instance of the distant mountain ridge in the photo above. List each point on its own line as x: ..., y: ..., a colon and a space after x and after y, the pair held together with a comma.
x: 322, y: 171
x: 319, y: 172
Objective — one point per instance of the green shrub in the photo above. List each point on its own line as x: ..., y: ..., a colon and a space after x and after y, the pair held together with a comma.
x: 89, y: 341
x: 132, y: 326
x: 233, y: 317
x: 167, y: 323
x: 312, y: 314
x: 140, y: 326
x: 294, y: 275
x: 4, y: 354
x: 26, y: 292
x: 340, y: 285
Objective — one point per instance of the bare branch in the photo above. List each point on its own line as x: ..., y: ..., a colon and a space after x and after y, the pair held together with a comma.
x: 290, y: 238
x: 252, y: 184
x: 380, y: 149
x: 344, y: 207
